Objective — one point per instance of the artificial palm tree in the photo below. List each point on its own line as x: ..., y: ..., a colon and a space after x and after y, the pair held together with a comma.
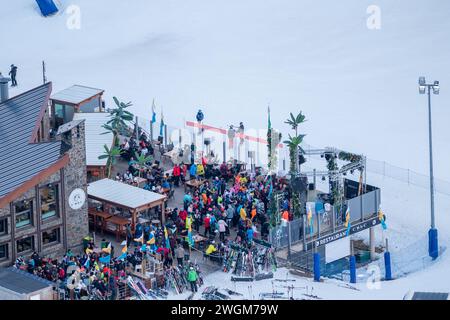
x: 141, y: 161
x: 119, y: 118
x: 293, y: 144
x: 111, y: 154
x: 295, y: 121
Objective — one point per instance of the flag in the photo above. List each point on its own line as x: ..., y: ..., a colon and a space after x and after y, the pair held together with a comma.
x: 125, y: 249
x: 166, y: 235
x: 381, y: 218
x: 310, y: 220
x: 87, y: 263
x: 123, y: 243
x: 105, y: 260
x: 144, y: 248
x: 161, y: 127
x: 89, y: 251
x: 190, y: 239
x: 122, y: 256
x: 107, y: 249
x: 347, y: 223
x: 151, y: 240
x: 153, y: 112
x: 140, y: 239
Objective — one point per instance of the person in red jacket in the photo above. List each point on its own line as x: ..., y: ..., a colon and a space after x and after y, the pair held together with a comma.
x: 183, y: 169
x: 206, y: 222
x: 176, y: 172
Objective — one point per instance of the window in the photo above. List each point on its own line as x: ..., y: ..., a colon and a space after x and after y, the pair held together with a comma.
x: 3, y: 226
x: 51, y: 236
x: 49, y: 201
x: 3, y: 251
x: 24, y: 213
x: 26, y: 244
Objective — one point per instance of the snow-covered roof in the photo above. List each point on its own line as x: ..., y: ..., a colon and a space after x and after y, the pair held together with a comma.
x: 76, y: 94
x: 95, y: 139
x: 122, y: 194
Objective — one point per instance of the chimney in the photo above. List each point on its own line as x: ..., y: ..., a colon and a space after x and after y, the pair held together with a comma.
x: 4, y: 88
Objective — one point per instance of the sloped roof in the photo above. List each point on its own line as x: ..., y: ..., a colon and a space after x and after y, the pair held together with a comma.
x: 76, y: 94
x: 21, y: 160
x: 122, y: 194
x: 22, y: 282
x: 95, y: 137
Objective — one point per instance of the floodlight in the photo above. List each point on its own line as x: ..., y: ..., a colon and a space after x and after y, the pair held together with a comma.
x: 436, y: 87
x: 422, y: 85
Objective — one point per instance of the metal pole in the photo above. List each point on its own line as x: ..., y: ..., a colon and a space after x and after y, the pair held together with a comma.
x: 224, y: 152
x: 289, y: 239
x: 165, y: 136
x: 431, y: 159
x: 314, y: 178
x: 304, y: 232
x: 151, y: 131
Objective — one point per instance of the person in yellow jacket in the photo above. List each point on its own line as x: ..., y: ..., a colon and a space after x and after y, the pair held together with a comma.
x: 211, y: 248
x: 200, y: 170
x: 243, y: 214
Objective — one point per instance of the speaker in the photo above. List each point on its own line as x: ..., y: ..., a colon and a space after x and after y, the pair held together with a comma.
x: 311, y: 187
x: 301, y: 159
x: 299, y: 184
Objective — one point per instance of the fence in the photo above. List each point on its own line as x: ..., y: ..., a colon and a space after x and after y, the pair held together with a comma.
x: 408, y: 176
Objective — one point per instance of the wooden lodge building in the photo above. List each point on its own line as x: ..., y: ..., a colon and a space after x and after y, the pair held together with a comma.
x: 43, y: 201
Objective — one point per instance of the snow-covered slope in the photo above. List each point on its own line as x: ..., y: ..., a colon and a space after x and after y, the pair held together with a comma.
x: 358, y: 87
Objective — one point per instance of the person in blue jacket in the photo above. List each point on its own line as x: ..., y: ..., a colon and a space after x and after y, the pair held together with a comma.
x: 200, y: 116
x: 193, y: 171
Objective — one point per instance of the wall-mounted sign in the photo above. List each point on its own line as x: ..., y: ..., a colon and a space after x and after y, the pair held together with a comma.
x: 77, y: 199
x: 357, y: 227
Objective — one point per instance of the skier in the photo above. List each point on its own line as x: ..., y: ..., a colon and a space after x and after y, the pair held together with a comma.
x: 13, y: 74
x: 192, y: 278
x: 179, y: 252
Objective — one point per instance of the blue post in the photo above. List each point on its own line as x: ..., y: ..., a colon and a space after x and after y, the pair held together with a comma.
x: 433, y: 248
x: 387, y: 266
x: 316, y: 266
x: 352, y: 269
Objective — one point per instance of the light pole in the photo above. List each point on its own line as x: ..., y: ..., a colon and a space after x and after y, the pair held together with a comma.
x: 433, y: 248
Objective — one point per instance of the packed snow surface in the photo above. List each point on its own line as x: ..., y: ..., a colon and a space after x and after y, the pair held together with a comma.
x: 357, y: 87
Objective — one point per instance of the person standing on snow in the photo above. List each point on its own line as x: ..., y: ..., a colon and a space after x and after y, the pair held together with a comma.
x: 192, y: 278
x: 13, y: 74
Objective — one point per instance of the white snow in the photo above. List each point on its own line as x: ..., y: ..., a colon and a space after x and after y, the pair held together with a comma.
x: 358, y: 87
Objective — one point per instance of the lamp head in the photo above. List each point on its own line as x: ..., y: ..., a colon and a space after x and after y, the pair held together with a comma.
x: 436, y: 87
x: 422, y: 85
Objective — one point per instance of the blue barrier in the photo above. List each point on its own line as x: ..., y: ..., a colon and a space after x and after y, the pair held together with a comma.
x: 433, y: 248
x: 387, y: 266
x: 352, y: 269
x: 316, y: 266
x: 47, y: 7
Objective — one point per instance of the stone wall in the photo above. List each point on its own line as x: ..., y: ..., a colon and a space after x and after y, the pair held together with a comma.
x: 77, y: 224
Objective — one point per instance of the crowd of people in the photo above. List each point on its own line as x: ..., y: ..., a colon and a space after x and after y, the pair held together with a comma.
x: 230, y: 205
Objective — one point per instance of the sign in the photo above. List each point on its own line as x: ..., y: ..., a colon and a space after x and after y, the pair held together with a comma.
x: 77, y: 199
x: 343, y: 233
